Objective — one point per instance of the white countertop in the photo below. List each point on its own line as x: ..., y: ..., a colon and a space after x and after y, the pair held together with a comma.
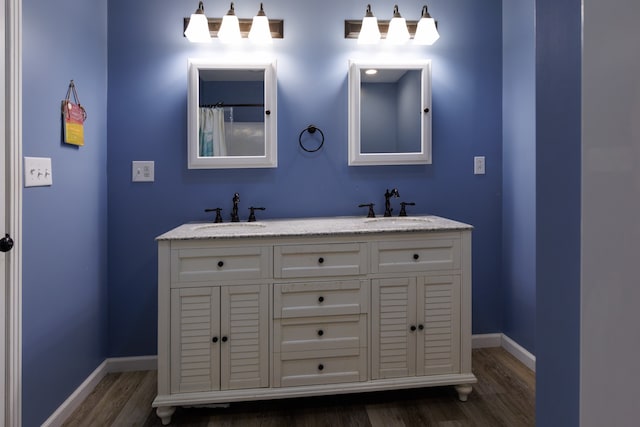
x: 311, y: 227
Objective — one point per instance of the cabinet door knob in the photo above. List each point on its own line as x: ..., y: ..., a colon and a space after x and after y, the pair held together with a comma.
x: 320, y: 332
x: 220, y: 264
x: 413, y: 328
x: 421, y: 327
x: 320, y: 260
x: 214, y: 339
x: 225, y: 339
x: 320, y: 367
x: 320, y: 299
x: 416, y: 256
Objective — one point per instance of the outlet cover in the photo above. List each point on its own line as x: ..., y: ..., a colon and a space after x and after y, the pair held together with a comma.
x: 479, y: 165
x: 37, y: 172
x: 142, y: 171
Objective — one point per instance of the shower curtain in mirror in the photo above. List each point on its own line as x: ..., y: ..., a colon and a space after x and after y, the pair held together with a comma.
x: 211, y: 132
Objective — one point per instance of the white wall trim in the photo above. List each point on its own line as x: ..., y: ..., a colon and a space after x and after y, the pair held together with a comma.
x: 77, y: 397
x: 128, y: 364
x: 486, y: 340
x: 13, y: 135
x: 501, y: 340
x: 115, y: 364
x: 150, y: 363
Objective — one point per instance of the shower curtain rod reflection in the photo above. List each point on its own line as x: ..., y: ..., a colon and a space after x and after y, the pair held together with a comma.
x: 222, y: 104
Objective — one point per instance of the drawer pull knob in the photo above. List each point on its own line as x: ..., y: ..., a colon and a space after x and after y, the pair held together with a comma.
x: 416, y: 256
x: 320, y: 299
x: 225, y: 339
x: 320, y: 333
x: 413, y: 328
x: 214, y: 339
x: 320, y: 260
x: 320, y: 367
x: 421, y: 327
x: 220, y: 264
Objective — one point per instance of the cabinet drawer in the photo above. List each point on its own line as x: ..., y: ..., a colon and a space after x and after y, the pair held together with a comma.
x: 415, y: 255
x: 342, y: 259
x: 319, y: 333
x: 320, y: 299
x: 320, y: 367
x: 216, y: 264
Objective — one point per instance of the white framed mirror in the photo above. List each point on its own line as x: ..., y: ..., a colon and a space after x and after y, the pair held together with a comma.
x: 231, y: 114
x: 389, y: 113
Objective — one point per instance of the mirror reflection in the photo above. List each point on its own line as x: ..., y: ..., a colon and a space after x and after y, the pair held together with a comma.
x: 232, y: 115
x: 389, y: 113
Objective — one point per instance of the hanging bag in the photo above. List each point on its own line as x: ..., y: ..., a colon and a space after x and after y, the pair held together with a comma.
x: 73, y: 117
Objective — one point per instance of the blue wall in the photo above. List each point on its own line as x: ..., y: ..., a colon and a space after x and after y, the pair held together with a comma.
x: 519, y: 171
x: 64, y: 226
x: 147, y: 121
x: 558, y: 216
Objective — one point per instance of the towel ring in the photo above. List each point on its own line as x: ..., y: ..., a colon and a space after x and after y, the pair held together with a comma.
x: 311, y: 129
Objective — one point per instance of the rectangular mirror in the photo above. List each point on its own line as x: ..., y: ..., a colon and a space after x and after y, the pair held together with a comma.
x: 389, y: 113
x: 232, y: 115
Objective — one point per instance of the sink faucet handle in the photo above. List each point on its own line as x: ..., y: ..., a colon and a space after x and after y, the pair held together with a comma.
x: 252, y: 213
x: 371, y: 213
x: 403, y: 205
x: 217, y: 211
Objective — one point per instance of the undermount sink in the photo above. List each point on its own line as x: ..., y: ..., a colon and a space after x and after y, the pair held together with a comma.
x: 398, y: 221
x: 228, y: 225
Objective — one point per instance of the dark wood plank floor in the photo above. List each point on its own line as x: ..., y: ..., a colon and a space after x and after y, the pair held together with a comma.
x: 503, y: 396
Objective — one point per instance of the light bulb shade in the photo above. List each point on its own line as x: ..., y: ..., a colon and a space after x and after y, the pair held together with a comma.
x: 369, y: 33
x: 198, y: 29
x: 426, y: 32
x: 229, y: 31
x: 398, y: 32
x: 260, y: 33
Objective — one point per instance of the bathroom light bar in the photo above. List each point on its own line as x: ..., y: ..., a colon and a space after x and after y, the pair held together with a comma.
x: 352, y: 27
x: 276, y: 26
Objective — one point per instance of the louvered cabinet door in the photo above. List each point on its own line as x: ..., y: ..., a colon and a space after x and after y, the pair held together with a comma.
x: 438, y: 336
x: 195, y: 325
x: 393, y: 312
x: 244, y: 315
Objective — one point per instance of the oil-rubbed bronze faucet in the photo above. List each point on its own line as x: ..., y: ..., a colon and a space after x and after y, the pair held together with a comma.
x: 234, y: 210
x: 387, y: 204
x: 252, y: 213
x: 217, y: 211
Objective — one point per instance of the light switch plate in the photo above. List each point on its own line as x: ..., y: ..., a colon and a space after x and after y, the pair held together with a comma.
x: 143, y: 171
x: 479, y: 165
x: 37, y: 172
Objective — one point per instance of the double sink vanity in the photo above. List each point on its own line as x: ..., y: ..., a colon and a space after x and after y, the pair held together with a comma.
x: 304, y: 307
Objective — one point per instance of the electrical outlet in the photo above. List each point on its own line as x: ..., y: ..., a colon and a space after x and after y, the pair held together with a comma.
x: 37, y: 172
x: 142, y: 171
x: 478, y: 165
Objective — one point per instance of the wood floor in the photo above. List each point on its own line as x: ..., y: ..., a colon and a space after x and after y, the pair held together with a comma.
x: 503, y: 396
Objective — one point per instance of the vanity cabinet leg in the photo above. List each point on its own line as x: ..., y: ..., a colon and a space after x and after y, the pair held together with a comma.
x: 463, y: 391
x: 165, y: 413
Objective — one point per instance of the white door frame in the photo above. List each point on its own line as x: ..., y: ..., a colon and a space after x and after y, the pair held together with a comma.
x: 11, y: 96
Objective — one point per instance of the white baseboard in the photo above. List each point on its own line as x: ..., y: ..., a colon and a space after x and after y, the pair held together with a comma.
x: 501, y: 340
x: 77, y: 397
x: 486, y: 340
x: 128, y: 364
x: 519, y: 352
x: 115, y: 364
x: 149, y: 363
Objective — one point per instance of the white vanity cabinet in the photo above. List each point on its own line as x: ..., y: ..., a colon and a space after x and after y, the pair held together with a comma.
x: 311, y: 307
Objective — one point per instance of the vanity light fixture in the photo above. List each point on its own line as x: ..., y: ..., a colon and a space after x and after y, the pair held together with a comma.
x: 198, y: 29
x: 396, y: 31
x: 260, y: 32
x: 231, y: 29
x: 426, y: 32
x: 369, y: 33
